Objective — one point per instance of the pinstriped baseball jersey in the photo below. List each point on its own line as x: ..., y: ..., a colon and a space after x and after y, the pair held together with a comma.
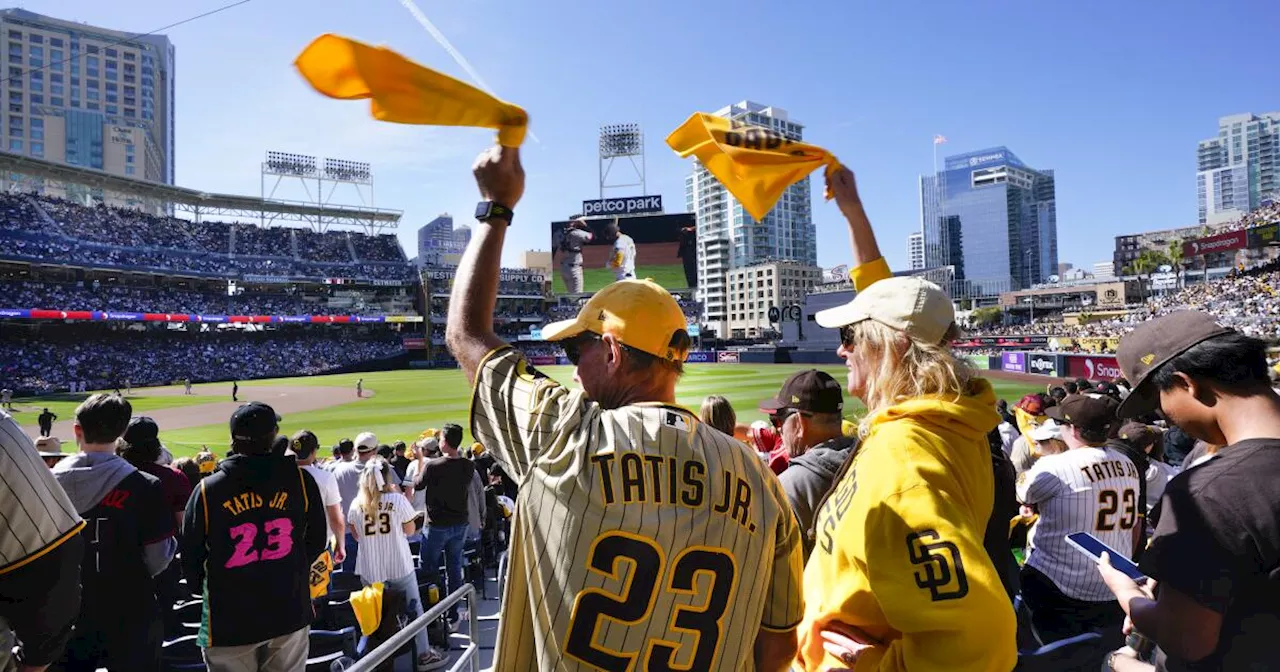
x: 1092, y: 490
x: 384, y: 550
x: 642, y: 538
x: 35, y: 513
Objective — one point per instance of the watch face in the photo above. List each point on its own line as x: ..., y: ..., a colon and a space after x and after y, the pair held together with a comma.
x: 482, y: 209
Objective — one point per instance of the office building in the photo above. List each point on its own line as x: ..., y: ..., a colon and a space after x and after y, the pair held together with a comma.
x: 1239, y: 170
x: 439, y: 244
x: 756, y: 288
x: 915, y: 250
x: 538, y: 261
x: 728, y: 238
x: 88, y: 96
x: 993, y: 219
x: 1104, y: 269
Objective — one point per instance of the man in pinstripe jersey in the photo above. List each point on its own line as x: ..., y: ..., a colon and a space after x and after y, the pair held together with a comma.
x: 1088, y: 488
x: 642, y: 539
x: 40, y: 554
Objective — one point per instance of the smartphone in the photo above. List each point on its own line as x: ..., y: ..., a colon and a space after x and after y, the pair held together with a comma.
x: 1089, y: 545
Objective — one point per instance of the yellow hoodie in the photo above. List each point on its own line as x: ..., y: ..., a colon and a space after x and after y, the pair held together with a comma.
x: 899, y: 551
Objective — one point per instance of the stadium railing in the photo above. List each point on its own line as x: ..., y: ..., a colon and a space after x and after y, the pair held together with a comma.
x: 470, y: 655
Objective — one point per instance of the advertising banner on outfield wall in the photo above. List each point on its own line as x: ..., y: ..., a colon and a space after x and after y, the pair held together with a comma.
x: 1093, y: 367
x: 727, y: 357
x: 701, y: 357
x: 1045, y: 365
x: 979, y: 361
x: 542, y: 360
x: 1013, y: 361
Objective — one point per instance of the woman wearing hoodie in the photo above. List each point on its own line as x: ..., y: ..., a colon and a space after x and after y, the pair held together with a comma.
x: 899, y: 578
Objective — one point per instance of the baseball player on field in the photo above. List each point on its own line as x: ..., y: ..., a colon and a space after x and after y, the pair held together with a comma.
x: 1089, y: 488
x: 642, y: 539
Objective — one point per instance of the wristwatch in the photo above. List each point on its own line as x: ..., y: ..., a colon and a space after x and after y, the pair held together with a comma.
x: 487, y: 210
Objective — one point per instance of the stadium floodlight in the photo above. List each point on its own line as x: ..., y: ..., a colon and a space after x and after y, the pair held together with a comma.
x: 343, y: 170
x: 287, y: 163
x: 621, y: 141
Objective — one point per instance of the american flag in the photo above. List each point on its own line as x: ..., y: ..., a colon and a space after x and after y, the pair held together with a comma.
x: 939, y: 139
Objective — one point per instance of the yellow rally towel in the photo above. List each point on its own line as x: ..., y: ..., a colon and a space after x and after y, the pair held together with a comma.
x: 403, y: 91
x: 367, y: 605
x: 755, y: 164
x: 321, y: 570
x: 1026, y: 423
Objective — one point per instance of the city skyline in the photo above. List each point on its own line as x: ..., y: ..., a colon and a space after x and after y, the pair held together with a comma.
x: 1239, y: 169
x: 239, y: 96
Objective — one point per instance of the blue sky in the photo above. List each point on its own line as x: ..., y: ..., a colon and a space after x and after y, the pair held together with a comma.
x: 1113, y: 96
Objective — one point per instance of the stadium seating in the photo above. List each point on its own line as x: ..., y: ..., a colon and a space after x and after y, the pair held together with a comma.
x: 52, y: 230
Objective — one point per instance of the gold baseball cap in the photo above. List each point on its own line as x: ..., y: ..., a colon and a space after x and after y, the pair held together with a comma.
x: 639, y: 313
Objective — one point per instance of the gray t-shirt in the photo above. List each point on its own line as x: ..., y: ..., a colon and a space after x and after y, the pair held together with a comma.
x: 348, y: 476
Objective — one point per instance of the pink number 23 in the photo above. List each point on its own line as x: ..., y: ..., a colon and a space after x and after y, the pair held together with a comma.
x: 279, y: 542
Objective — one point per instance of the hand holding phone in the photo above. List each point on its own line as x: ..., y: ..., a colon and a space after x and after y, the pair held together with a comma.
x: 1090, y: 545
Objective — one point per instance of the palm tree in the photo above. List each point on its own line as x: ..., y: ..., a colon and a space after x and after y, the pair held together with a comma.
x: 1176, y: 258
x: 1147, y: 261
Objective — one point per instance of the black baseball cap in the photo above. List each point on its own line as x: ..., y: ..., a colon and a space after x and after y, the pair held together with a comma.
x: 1138, y: 435
x: 305, y: 444
x: 1087, y: 411
x: 142, y: 432
x: 1152, y: 345
x: 810, y: 390
x: 1108, y: 388
x: 253, y: 421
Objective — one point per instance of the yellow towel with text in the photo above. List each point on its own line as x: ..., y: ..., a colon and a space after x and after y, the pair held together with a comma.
x: 404, y: 92
x: 755, y: 164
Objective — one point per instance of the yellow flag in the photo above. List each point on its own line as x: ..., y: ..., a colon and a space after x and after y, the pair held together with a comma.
x: 404, y: 92
x: 755, y: 164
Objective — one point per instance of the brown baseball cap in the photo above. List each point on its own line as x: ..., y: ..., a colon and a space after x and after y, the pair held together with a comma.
x: 1137, y: 435
x: 810, y: 390
x: 1152, y: 345
x: 1086, y: 411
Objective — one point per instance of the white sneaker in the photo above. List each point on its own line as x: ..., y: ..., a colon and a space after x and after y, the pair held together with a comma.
x: 431, y: 660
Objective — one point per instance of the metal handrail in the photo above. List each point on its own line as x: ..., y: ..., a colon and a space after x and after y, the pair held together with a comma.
x: 471, y: 654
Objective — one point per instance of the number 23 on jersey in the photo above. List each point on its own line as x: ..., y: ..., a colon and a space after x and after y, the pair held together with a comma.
x: 639, y: 564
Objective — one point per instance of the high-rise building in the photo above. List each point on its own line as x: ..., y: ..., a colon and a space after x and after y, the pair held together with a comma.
x: 90, y: 97
x: 993, y: 218
x: 729, y: 238
x: 756, y: 288
x: 439, y: 244
x: 1104, y: 269
x: 915, y: 250
x: 1239, y: 170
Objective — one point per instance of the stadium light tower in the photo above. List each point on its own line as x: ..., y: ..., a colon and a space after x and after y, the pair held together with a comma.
x: 621, y: 141
x: 307, y: 170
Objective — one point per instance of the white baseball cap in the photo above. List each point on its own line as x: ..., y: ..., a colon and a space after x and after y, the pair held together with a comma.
x: 1049, y: 429
x: 366, y: 441
x: 912, y: 305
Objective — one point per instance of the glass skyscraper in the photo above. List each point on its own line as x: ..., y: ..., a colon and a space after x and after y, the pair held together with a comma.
x: 1239, y: 170
x: 993, y: 218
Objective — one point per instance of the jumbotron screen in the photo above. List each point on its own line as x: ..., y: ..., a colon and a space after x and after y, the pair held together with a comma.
x: 661, y: 247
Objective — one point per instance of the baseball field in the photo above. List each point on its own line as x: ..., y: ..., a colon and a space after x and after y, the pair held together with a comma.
x: 397, y: 405
x: 670, y: 276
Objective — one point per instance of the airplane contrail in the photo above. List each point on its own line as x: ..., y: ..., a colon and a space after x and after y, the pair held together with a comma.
x: 448, y: 47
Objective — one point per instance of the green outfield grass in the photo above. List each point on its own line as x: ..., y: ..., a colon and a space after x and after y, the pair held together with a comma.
x: 64, y: 405
x: 406, y: 402
x: 670, y: 276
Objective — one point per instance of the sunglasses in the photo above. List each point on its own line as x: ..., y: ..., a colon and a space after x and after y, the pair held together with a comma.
x: 573, y: 347
x: 846, y: 335
x: 780, y: 418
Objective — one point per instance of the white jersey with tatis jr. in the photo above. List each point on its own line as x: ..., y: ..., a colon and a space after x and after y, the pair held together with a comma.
x: 1092, y: 490
x: 642, y: 538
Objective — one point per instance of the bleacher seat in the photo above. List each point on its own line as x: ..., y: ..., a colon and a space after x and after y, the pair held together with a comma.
x: 188, y: 615
x: 344, y: 581
x: 181, y: 653
x: 327, y: 646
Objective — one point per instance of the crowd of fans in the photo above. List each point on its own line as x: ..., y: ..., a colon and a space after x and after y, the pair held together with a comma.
x: 48, y: 229
x: 1247, y: 300
x: 44, y: 364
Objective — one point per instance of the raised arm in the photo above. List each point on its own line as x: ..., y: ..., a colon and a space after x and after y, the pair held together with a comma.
x: 869, y: 266
x: 469, y: 331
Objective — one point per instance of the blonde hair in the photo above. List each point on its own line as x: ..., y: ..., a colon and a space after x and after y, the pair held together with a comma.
x: 718, y: 412
x: 370, y: 494
x: 899, y: 368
